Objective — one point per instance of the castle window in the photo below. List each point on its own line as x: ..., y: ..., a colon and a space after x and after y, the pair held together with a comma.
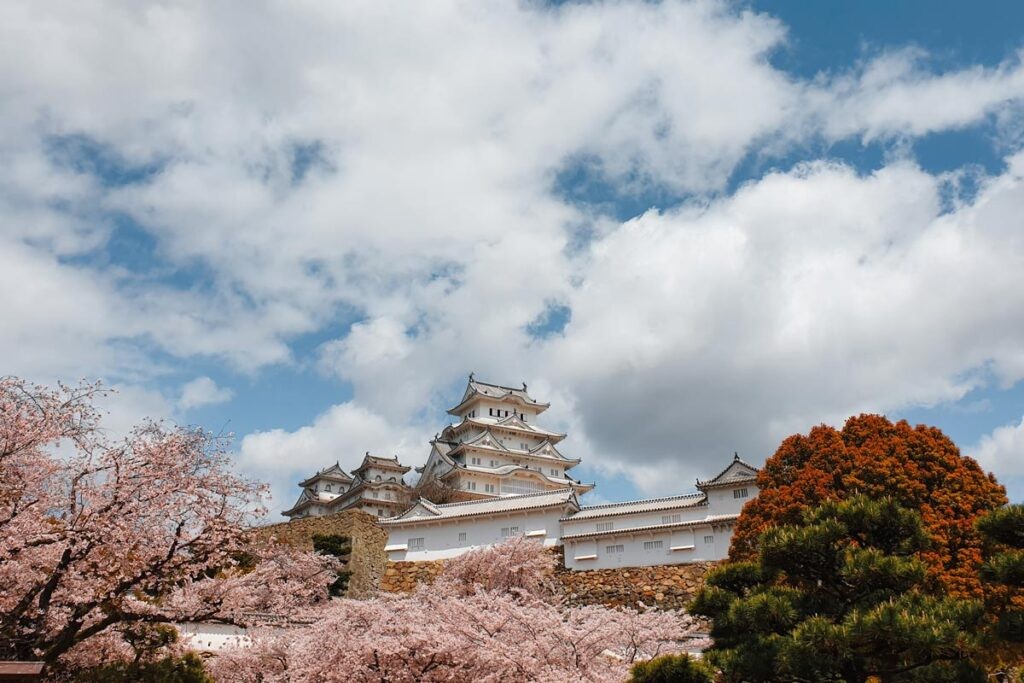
x: 327, y: 488
x: 377, y: 478
x: 415, y: 544
x: 614, y: 549
x: 605, y: 526
x: 509, y: 531
x: 739, y: 493
x: 652, y: 545
x: 391, y: 479
x: 708, y: 540
x: 671, y: 519
x: 380, y: 512
x: 489, y: 488
x: 490, y: 411
x: 462, y: 537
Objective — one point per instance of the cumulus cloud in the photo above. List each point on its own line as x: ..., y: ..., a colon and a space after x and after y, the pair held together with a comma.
x: 341, y: 434
x: 1002, y: 450
x: 203, y: 391
x: 291, y: 168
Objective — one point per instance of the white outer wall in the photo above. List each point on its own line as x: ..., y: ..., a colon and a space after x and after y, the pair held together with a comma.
x: 210, y: 637
x: 634, y: 555
x: 441, y: 539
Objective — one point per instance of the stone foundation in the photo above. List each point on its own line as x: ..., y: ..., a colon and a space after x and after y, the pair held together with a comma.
x: 403, y: 577
x: 367, y: 560
x: 664, y: 586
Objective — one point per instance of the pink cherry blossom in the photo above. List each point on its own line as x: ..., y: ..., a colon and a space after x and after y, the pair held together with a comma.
x: 97, y: 536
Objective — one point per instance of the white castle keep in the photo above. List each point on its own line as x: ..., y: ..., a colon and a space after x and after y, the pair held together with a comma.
x: 508, y: 478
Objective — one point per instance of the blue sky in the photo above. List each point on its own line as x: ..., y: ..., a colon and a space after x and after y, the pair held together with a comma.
x: 694, y: 227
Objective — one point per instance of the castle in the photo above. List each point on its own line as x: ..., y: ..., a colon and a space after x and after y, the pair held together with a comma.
x: 495, y: 473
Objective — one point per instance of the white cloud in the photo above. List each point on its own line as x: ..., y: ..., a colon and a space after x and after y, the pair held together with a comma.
x: 341, y: 434
x: 1002, y: 451
x: 430, y: 214
x: 202, y: 391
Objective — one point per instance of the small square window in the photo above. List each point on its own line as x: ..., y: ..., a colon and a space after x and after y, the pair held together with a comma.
x: 462, y: 537
x: 605, y: 526
x: 614, y: 549
x: 708, y: 540
x: 415, y: 544
x: 652, y: 545
x: 739, y: 493
x: 671, y: 519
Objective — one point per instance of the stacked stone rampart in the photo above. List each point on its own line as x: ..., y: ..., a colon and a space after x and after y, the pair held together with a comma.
x: 367, y: 560
x: 664, y: 586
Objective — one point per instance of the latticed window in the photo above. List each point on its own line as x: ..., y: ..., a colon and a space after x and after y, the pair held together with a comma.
x: 653, y: 545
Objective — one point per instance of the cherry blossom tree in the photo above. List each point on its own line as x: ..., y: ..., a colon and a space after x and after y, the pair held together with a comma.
x: 491, y: 616
x: 99, y: 538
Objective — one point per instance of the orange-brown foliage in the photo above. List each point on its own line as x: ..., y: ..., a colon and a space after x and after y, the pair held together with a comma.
x: 918, y: 466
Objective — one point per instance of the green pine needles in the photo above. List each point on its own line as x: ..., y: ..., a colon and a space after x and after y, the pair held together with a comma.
x: 841, y: 597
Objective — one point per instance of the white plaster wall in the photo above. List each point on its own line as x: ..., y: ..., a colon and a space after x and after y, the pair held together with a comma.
x: 207, y: 637
x: 723, y: 501
x: 634, y: 554
x: 441, y: 540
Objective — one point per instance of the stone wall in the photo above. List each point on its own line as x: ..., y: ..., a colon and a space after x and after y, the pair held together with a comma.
x: 665, y: 586
x: 367, y: 560
x: 669, y: 586
x: 403, y: 577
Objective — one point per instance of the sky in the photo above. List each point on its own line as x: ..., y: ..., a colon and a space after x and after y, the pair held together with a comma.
x: 694, y: 227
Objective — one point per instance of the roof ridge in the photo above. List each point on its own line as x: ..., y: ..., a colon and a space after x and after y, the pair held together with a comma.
x: 642, y: 500
x: 513, y: 497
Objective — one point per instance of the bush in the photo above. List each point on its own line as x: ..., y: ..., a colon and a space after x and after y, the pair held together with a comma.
x: 672, y: 669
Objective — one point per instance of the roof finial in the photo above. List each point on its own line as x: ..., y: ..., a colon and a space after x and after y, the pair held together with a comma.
x: 524, y: 386
x: 470, y: 375
x: 735, y: 455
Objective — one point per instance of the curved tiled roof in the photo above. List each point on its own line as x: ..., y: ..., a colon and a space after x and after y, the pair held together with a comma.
x: 475, y: 387
x: 526, y: 501
x: 636, y: 506
x: 734, y: 473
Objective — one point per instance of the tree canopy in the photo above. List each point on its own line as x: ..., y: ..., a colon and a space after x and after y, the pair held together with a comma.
x: 841, y: 596
x: 101, y: 537
x: 919, y: 467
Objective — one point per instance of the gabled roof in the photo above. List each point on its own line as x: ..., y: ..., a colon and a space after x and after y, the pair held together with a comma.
x: 737, y: 472
x: 511, y: 423
x: 381, y: 463
x: 424, y: 510
x: 334, y: 473
x: 475, y: 387
x: 306, y: 498
x: 547, y: 449
x: 688, y: 500
x: 486, y: 440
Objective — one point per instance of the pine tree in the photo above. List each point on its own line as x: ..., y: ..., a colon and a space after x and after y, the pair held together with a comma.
x: 842, y: 596
x: 1003, y: 575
